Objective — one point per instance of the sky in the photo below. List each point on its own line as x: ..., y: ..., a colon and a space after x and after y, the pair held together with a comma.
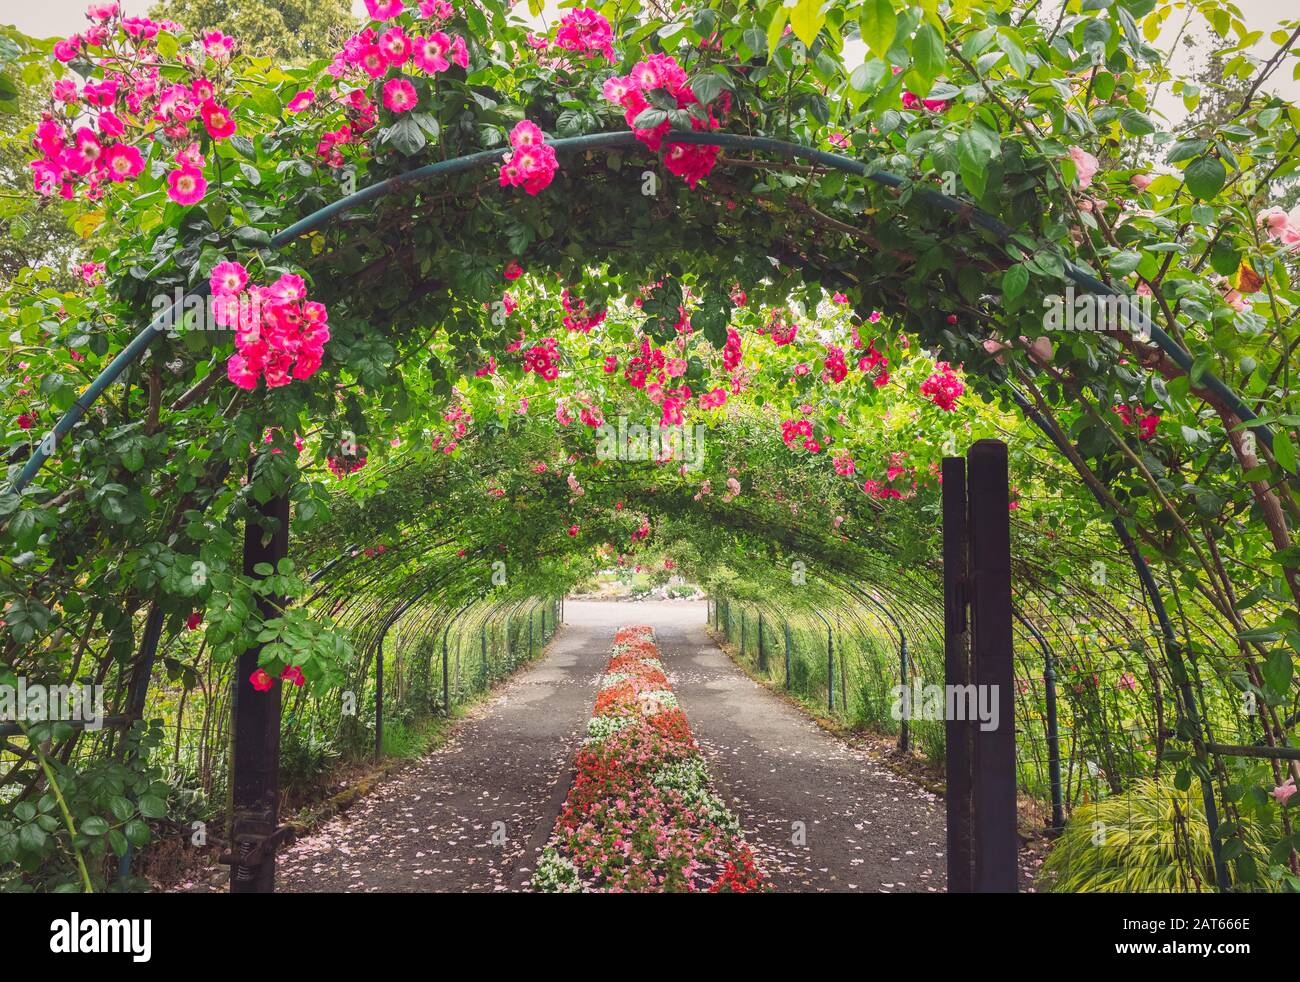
x: 46, y: 18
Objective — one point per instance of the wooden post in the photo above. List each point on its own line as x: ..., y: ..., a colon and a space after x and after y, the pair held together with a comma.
x: 255, y: 750
x: 956, y: 659
x: 993, y: 815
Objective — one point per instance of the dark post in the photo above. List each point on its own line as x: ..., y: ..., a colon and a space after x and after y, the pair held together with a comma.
x: 786, y: 625
x: 446, y: 674
x: 844, y: 692
x: 742, y: 632
x: 762, y: 655
x: 483, y: 652
x: 1053, y: 743
x: 903, y: 742
x: 379, y: 695
x: 137, y: 692
x: 994, y: 812
x: 1053, y: 735
x: 255, y: 754
x: 956, y: 673
x: 830, y: 670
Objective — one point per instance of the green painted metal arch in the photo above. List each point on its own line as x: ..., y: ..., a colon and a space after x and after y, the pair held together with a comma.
x: 136, y: 348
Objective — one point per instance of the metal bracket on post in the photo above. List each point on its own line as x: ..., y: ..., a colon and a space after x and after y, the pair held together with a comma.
x: 256, y: 842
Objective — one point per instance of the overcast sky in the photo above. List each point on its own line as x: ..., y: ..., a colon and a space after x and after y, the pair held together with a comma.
x: 45, y: 18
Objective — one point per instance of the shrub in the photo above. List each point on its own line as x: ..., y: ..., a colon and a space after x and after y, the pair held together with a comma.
x: 1152, y: 839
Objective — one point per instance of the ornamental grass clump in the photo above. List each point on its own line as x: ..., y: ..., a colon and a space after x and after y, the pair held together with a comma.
x: 1153, y: 839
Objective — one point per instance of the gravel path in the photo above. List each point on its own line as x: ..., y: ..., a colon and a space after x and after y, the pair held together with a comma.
x: 473, y: 815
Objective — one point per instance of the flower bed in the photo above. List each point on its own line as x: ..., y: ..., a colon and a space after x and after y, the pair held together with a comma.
x: 642, y: 815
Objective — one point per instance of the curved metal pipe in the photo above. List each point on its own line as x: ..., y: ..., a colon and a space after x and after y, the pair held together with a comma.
x: 608, y: 141
x: 830, y: 662
x: 903, y: 741
x: 1053, y: 734
x: 1172, y: 646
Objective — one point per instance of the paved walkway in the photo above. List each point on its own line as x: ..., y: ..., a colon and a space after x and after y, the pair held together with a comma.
x: 473, y: 815
x: 821, y: 816
x: 467, y: 816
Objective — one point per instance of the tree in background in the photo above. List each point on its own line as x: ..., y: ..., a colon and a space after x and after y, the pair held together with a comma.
x: 34, y: 231
x: 291, y: 29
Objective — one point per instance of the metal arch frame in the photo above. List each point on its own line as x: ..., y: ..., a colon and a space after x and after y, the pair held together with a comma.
x: 389, y: 621
x: 1139, y: 322
x: 446, y: 630
x: 1173, y: 649
x: 903, y: 737
x: 830, y: 662
x: 1053, y: 734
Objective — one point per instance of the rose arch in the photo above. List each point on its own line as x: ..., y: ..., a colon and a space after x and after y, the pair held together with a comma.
x: 379, y: 317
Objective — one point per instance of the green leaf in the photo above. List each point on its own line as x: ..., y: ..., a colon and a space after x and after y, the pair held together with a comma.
x: 1205, y: 177
x: 404, y: 136
x: 928, y: 59
x: 1014, y: 281
x: 249, y: 235
x: 1137, y: 123
x: 867, y: 76
x: 1185, y: 150
x: 1277, y: 671
x: 244, y: 145
x: 137, y: 832
x: 879, y: 25
x: 1284, y: 451
x: 648, y: 119
x: 1123, y: 263
x: 807, y: 19
x: 976, y: 147
x: 708, y: 87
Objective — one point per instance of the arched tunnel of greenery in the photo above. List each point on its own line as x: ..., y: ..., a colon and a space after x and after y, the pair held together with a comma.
x: 825, y: 338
